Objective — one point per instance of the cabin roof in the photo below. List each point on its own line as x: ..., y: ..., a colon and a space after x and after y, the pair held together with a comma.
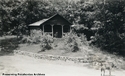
x: 38, y: 23
x: 48, y: 20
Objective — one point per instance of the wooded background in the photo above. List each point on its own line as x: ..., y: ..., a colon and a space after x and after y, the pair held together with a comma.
x: 106, y: 18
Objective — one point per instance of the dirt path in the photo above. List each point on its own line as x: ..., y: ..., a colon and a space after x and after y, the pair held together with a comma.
x: 23, y: 64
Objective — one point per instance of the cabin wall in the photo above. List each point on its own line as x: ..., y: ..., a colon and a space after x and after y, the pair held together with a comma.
x: 35, y: 31
x: 66, y: 28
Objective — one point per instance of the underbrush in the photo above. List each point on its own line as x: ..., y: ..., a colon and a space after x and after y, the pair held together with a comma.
x: 46, y: 43
x: 8, y: 45
x: 97, y: 54
x: 72, y: 42
x: 34, y: 38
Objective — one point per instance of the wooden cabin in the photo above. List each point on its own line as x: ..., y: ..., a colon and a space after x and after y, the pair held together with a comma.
x: 56, y: 26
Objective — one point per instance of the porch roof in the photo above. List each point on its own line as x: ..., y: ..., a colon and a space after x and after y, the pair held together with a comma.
x: 38, y: 23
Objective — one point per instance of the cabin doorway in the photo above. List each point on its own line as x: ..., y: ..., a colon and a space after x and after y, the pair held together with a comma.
x: 57, y: 31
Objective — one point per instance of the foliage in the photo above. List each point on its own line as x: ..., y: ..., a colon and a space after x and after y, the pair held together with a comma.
x: 46, y: 43
x: 15, y: 15
x: 82, y: 30
x: 84, y: 40
x: 71, y: 43
x: 111, y: 34
x: 18, y: 14
x: 34, y: 38
x: 106, y: 18
x: 8, y: 45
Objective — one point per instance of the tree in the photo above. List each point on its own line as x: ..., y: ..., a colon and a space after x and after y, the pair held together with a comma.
x: 111, y: 34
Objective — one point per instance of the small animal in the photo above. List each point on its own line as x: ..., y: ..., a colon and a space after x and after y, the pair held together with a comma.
x: 106, y: 66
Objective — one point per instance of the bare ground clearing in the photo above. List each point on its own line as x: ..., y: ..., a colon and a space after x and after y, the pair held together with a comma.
x: 24, y: 64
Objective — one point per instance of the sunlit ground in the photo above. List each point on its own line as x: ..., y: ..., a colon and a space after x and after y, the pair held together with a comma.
x: 23, y: 64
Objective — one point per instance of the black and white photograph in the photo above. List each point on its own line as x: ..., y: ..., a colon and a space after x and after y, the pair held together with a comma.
x: 62, y: 37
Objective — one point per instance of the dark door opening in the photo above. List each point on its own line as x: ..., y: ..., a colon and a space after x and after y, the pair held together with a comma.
x: 57, y: 31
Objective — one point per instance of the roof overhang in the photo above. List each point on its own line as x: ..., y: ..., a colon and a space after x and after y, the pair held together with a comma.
x: 38, y: 23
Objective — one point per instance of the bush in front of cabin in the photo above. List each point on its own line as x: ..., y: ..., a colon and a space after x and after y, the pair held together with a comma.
x: 83, y: 39
x: 46, y: 43
x: 34, y: 38
x: 71, y: 43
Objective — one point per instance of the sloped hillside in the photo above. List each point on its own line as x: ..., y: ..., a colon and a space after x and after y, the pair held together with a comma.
x: 61, y: 48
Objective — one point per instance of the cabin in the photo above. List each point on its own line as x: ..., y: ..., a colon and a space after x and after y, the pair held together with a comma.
x: 55, y: 26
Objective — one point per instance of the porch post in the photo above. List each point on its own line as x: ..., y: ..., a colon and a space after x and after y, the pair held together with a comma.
x: 43, y: 29
x: 62, y: 30
x: 52, y: 30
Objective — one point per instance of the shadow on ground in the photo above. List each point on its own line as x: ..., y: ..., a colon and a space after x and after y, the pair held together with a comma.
x: 8, y: 45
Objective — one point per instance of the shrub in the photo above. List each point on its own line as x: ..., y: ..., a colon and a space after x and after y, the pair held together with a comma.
x: 46, y: 42
x: 71, y: 43
x: 34, y: 38
x: 83, y: 39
